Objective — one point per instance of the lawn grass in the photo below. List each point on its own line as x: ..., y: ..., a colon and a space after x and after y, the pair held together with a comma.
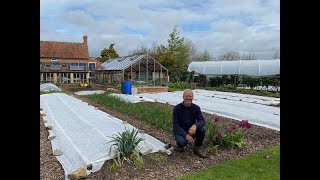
x: 253, y: 166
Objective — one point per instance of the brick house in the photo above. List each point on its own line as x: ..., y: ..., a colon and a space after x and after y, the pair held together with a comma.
x: 66, y: 62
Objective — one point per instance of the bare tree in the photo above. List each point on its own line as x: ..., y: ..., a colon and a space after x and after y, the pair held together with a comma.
x: 203, y: 56
x: 140, y: 50
x: 230, y: 56
x: 276, y: 55
x: 191, y: 47
x: 249, y: 56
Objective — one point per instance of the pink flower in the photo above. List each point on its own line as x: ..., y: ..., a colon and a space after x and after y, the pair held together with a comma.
x: 216, y: 119
x: 218, y: 134
x: 245, y: 123
x: 231, y: 128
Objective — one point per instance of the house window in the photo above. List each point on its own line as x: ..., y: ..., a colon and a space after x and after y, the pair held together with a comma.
x: 73, y: 66
x: 55, y: 65
x: 92, y: 66
x: 78, y: 66
x: 82, y: 66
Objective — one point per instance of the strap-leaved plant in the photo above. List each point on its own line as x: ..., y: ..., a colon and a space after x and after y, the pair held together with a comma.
x: 127, y: 148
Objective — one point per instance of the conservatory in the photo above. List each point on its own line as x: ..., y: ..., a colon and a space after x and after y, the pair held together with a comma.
x: 140, y: 72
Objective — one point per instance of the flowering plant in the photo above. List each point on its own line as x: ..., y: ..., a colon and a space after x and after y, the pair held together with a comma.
x: 228, y: 137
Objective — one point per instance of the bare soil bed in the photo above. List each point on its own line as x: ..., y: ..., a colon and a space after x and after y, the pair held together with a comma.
x: 157, y: 166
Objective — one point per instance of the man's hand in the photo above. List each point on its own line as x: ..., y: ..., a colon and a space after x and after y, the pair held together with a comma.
x: 189, y: 139
x: 192, y: 130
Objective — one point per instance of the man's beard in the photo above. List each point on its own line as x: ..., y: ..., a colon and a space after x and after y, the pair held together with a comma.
x: 187, y: 104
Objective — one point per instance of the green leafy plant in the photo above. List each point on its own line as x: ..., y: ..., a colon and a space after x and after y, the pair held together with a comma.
x: 212, y: 148
x: 234, y: 139
x: 228, y: 137
x: 113, y: 167
x: 159, y: 116
x: 159, y: 157
x: 127, y: 148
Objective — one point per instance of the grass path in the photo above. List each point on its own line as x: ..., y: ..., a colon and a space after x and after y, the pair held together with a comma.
x: 253, y: 166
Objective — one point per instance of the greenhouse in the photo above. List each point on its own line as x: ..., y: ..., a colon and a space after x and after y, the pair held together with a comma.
x: 139, y: 69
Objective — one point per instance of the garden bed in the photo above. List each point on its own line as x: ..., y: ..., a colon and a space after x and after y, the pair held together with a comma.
x: 156, y: 165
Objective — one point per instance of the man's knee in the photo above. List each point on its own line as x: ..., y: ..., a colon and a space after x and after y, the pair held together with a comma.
x: 201, y: 131
x: 200, y: 136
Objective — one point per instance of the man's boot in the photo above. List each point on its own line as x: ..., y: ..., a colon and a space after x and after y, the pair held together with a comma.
x: 198, y: 152
x: 181, y: 149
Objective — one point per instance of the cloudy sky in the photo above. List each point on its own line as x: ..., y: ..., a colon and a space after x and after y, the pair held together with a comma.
x: 245, y: 26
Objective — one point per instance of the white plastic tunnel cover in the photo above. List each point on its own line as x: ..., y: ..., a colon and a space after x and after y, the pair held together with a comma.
x: 80, y: 133
x: 241, y: 67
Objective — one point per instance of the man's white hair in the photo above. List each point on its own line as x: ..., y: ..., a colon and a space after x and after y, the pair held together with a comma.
x: 187, y: 90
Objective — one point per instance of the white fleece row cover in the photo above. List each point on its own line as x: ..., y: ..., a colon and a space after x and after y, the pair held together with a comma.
x: 237, y: 106
x: 241, y: 67
x: 82, y: 133
x: 132, y: 99
x: 81, y: 93
x: 49, y: 87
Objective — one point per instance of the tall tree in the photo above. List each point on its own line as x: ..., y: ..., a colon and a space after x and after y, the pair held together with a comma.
x: 175, y: 56
x: 107, y: 54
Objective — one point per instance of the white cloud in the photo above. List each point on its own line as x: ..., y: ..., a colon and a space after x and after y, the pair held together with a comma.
x: 244, y: 25
x: 79, y: 18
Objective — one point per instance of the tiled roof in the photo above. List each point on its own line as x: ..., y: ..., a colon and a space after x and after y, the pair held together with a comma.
x: 66, y: 50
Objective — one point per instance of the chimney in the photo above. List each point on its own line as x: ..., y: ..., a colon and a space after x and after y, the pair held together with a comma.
x: 85, y: 40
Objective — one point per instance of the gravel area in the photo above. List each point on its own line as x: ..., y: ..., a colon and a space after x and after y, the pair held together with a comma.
x: 50, y: 168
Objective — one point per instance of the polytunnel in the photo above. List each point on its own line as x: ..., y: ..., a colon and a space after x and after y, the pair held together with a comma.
x: 240, y: 67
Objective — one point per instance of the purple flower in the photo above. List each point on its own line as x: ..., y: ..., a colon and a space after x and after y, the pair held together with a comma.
x: 218, y: 134
x: 248, y: 125
x: 231, y: 128
x: 245, y: 123
x: 216, y: 119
